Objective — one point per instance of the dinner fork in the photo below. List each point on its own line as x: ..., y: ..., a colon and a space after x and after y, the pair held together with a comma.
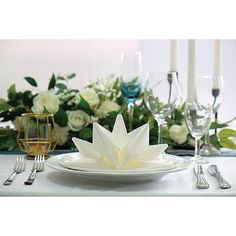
x: 201, y: 181
x: 38, y: 166
x: 19, y: 167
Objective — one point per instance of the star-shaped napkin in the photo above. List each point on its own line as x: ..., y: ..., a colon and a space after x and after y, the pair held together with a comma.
x: 119, y: 149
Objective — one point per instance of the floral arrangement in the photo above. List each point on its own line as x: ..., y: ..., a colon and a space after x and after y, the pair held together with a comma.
x: 75, y: 111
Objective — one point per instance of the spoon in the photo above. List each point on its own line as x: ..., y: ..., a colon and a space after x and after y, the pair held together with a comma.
x: 214, y: 171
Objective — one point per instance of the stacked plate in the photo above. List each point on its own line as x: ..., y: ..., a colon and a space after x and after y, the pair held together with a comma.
x: 151, y: 170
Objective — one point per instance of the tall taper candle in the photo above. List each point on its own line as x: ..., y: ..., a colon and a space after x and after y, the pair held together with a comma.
x: 191, y: 71
x: 173, y: 55
x: 217, y: 64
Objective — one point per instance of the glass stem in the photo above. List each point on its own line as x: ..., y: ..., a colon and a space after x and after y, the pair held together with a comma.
x: 197, y: 148
x: 131, y: 113
x: 207, y: 139
x: 159, y: 140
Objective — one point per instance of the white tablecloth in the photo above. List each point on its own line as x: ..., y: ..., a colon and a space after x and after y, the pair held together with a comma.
x: 56, y: 183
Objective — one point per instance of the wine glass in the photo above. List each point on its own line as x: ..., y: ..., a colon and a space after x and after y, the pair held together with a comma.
x: 130, y: 80
x: 198, y: 121
x: 213, y: 91
x: 160, y: 96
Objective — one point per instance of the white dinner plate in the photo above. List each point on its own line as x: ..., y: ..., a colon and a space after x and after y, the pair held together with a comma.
x: 114, y: 175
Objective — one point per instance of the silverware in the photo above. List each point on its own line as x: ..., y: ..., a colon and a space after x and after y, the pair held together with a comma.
x: 214, y: 171
x: 201, y: 181
x: 38, y: 166
x: 19, y: 167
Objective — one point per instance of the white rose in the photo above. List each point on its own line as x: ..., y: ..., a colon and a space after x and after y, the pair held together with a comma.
x: 94, y: 119
x: 18, y: 123
x: 46, y: 100
x: 77, y: 120
x: 90, y: 96
x: 62, y: 134
x: 107, y: 106
x: 178, y: 133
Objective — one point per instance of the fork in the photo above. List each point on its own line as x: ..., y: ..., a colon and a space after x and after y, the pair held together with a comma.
x: 201, y: 181
x: 19, y: 167
x: 38, y: 166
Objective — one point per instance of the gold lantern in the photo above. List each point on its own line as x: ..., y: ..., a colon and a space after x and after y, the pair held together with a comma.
x: 37, y: 135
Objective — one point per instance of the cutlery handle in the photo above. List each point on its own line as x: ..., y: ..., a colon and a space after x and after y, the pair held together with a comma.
x: 222, y: 183
x: 31, y: 178
x: 201, y: 182
x: 10, y: 179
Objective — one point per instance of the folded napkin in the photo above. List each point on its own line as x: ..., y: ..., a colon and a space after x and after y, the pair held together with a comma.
x: 118, y: 149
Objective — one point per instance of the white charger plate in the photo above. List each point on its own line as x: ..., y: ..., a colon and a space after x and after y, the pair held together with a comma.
x: 114, y: 175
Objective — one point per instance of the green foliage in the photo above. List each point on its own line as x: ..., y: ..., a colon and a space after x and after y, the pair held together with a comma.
x: 214, y: 141
x: 86, y: 133
x: 60, y: 86
x: 19, y: 102
x: 11, y: 92
x: 71, y: 76
x: 8, y: 139
x: 31, y: 81
x: 226, y: 138
x: 83, y: 105
x: 52, y: 82
x: 4, y: 106
x: 61, y: 118
x: 215, y: 125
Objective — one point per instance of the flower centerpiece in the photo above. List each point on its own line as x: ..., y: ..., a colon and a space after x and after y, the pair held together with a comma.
x: 75, y: 111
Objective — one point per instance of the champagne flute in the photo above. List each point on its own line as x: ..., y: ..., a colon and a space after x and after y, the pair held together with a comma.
x: 198, y: 121
x: 130, y: 80
x: 160, y: 96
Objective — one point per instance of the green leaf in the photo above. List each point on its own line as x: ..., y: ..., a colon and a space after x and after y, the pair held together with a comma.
x: 61, y: 118
x: 86, y: 133
x: 225, y: 133
x: 83, y: 105
x: 228, y: 143
x: 52, y: 82
x: 11, y: 92
x: 71, y: 76
x: 31, y: 81
x: 4, y: 106
x: 214, y: 141
x: 215, y: 125
x: 27, y: 98
x: 59, y: 77
x: 61, y: 86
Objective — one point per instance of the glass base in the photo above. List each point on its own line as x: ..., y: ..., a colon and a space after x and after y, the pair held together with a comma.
x: 208, y: 150
x: 199, y: 160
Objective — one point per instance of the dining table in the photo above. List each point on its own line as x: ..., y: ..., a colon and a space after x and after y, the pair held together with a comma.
x: 53, y: 182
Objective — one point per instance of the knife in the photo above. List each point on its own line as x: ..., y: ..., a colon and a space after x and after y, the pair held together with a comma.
x: 214, y: 171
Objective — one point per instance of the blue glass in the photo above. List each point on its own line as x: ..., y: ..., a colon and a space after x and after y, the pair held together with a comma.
x: 130, y: 91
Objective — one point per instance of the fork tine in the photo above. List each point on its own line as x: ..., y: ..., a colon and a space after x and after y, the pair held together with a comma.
x: 35, y: 162
x: 24, y: 163
x: 16, y: 164
x: 43, y: 163
x: 38, y: 162
x: 22, y: 167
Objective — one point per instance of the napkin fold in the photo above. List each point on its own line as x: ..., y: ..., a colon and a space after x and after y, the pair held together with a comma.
x: 119, y: 149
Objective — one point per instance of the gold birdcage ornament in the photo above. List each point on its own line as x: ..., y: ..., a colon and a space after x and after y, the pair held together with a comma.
x: 37, y: 134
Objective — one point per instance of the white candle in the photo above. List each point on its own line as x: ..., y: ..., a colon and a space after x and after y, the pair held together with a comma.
x: 173, y: 55
x: 217, y: 62
x: 191, y: 71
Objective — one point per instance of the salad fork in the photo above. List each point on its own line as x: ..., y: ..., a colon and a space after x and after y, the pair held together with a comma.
x: 19, y: 167
x: 38, y: 166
